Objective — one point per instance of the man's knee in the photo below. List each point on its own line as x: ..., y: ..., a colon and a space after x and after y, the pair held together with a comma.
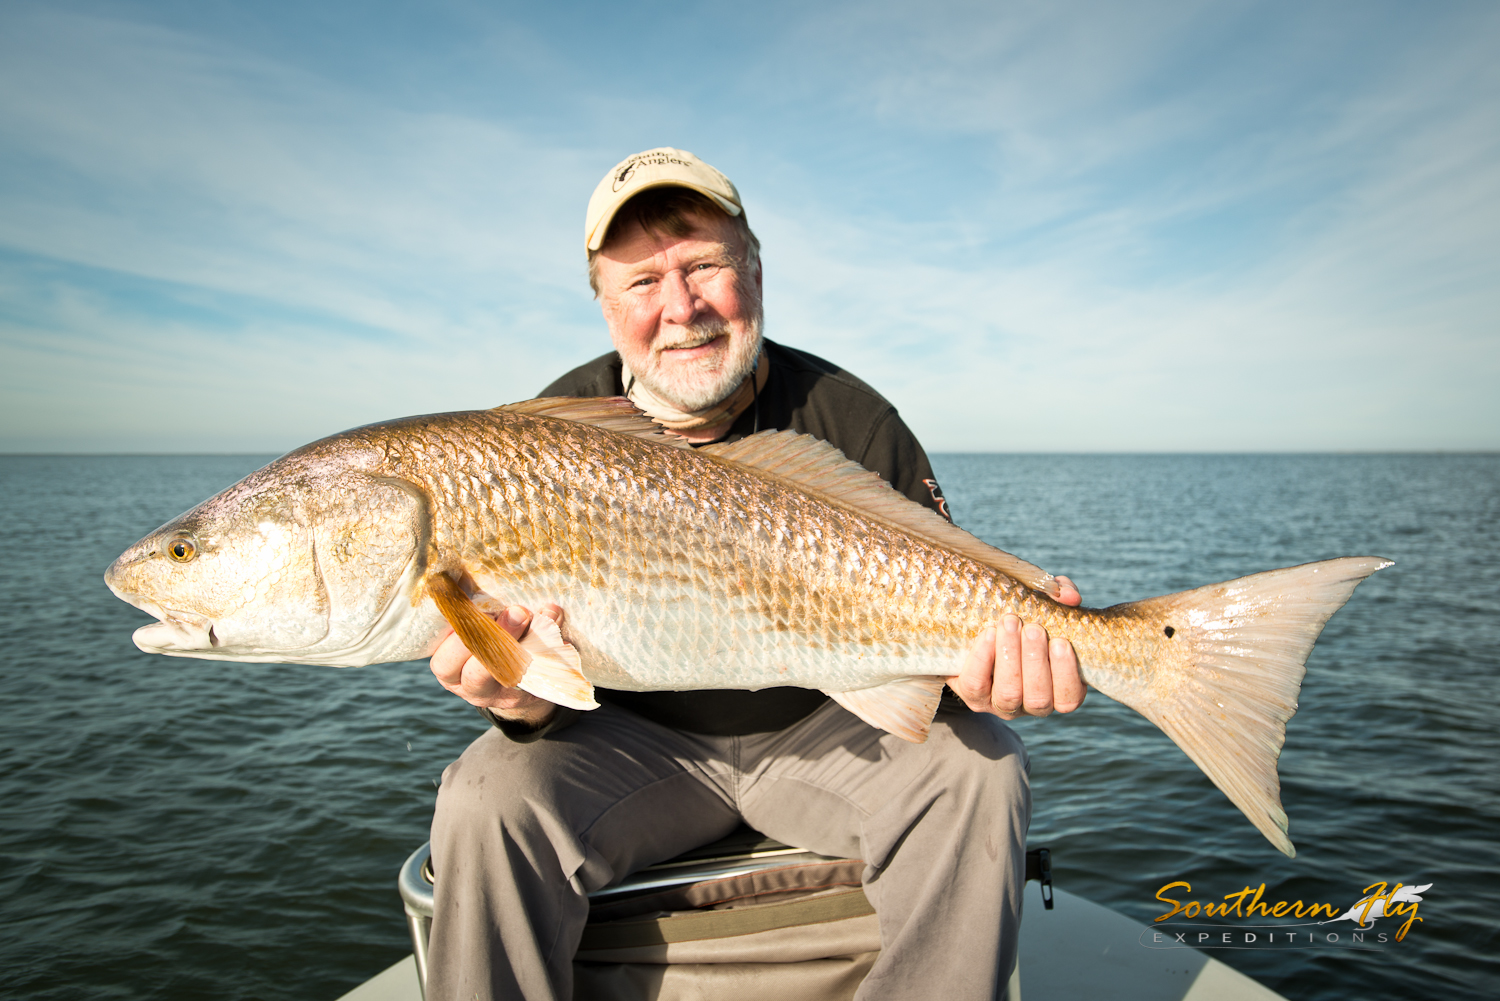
x: 495, y: 783
x: 978, y: 756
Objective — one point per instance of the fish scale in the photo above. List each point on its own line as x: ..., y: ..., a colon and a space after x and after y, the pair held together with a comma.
x: 769, y: 561
x: 791, y: 619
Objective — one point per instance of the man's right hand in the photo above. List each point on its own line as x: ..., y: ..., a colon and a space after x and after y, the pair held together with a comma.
x: 1016, y: 670
x: 461, y: 673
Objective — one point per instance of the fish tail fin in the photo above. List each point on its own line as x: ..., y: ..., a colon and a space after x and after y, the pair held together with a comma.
x: 1225, y: 694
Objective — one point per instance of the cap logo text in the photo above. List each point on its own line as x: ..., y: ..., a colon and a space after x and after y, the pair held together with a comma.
x: 627, y: 169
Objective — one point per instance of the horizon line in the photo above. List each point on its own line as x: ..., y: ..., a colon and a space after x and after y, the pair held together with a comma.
x: 1067, y: 452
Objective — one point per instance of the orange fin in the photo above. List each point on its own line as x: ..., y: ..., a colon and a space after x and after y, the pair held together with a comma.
x: 815, y: 465
x: 904, y: 707
x: 555, y: 672
x: 496, y: 649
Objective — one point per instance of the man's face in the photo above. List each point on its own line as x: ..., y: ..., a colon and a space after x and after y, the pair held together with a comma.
x: 681, y: 311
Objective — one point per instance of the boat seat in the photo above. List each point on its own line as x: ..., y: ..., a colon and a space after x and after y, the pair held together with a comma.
x: 744, y: 917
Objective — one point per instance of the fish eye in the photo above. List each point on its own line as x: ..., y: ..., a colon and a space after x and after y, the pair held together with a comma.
x: 181, y: 549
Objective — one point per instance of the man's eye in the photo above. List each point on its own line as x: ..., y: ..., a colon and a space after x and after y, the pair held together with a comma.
x: 642, y: 282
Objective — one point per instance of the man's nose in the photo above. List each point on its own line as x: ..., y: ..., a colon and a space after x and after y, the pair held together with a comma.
x: 679, y: 303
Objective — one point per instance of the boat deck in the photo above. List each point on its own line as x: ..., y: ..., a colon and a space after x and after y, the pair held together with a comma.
x: 1078, y: 951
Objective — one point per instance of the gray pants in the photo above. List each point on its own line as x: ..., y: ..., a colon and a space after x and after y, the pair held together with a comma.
x: 523, y: 831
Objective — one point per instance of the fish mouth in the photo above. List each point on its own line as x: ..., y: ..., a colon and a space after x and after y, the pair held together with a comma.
x: 175, y: 635
x: 176, y: 630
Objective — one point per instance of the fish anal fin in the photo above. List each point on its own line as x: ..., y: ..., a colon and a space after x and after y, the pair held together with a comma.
x: 555, y: 672
x: 816, y: 466
x: 903, y: 707
x: 612, y: 413
x: 496, y: 649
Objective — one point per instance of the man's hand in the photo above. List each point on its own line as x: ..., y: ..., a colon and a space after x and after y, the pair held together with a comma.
x: 1016, y: 671
x: 462, y: 674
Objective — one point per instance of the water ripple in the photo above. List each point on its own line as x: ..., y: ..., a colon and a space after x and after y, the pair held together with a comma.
x: 176, y: 829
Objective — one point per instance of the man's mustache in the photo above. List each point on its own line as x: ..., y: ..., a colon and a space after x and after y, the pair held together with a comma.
x: 703, y: 334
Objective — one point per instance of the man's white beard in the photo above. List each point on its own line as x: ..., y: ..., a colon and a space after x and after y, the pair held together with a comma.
x: 703, y: 383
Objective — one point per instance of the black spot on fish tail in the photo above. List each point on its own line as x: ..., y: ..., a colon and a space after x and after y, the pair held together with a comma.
x: 1169, y: 631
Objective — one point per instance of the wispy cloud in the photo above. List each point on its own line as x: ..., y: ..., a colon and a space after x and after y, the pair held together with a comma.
x: 1157, y: 226
x: 1273, y: 257
x: 274, y: 233
x: 185, y: 159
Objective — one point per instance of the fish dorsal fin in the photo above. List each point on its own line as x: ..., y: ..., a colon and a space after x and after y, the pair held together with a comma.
x: 817, y: 466
x: 612, y: 413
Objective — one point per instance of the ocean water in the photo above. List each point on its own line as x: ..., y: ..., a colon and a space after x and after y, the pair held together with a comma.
x: 182, y: 829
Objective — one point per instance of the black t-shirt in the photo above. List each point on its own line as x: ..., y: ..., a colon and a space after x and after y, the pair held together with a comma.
x: 807, y: 394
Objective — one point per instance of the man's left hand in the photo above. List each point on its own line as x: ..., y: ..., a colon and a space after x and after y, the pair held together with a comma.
x: 1016, y: 670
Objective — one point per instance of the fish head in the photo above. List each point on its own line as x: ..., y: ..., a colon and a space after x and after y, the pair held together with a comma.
x: 303, y: 561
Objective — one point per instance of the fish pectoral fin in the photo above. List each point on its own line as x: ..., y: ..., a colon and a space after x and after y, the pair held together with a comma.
x: 496, y: 649
x: 555, y: 672
x: 904, y: 707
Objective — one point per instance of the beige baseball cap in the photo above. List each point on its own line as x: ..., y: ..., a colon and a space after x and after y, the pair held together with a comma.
x: 656, y: 168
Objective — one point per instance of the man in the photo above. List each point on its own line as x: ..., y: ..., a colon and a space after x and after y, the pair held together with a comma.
x: 552, y: 803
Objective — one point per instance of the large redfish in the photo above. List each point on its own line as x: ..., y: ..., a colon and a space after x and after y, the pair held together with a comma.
x: 770, y: 561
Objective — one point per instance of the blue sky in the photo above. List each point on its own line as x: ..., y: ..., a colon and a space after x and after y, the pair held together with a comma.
x: 1089, y: 226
